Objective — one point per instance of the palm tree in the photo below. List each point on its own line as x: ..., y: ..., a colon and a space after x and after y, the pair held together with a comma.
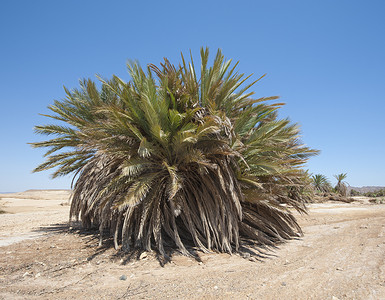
x: 321, y: 183
x: 341, y: 187
x: 173, y: 159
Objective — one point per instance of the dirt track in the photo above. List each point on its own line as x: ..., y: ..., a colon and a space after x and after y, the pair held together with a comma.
x: 341, y: 255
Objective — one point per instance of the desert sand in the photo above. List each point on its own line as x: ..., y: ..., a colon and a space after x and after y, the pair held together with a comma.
x: 340, y: 256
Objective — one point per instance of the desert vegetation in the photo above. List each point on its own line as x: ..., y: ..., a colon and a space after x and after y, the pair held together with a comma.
x: 321, y: 183
x: 379, y: 193
x: 173, y: 158
x: 353, y: 192
x: 341, y: 186
x: 323, y: 190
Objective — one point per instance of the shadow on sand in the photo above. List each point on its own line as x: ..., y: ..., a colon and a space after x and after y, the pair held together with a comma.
x: 91, y: 237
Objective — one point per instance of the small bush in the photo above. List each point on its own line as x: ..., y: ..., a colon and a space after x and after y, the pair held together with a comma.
x: 378, y: 201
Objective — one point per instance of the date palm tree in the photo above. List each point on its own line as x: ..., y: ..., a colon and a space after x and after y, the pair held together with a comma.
x: 321, y: 183
x: 173, y: 159
x: 341, y: 187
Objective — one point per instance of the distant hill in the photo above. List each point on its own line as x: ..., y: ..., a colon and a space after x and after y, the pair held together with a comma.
x: 365, y: 189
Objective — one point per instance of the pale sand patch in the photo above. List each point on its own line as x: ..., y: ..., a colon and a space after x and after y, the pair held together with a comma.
x: 24, y: 216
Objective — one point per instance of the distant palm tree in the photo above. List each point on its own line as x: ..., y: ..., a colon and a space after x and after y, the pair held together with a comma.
x: 321, y: 183
x: 341, y: 187
x: 170, y: 158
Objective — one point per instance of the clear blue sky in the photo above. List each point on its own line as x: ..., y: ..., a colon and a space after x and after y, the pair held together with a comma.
x: 325, y: 59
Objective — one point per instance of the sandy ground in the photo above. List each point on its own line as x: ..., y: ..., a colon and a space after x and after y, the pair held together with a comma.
x: 341, y: 256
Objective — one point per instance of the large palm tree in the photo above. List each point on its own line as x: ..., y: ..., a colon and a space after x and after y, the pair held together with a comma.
x: 170, y: 158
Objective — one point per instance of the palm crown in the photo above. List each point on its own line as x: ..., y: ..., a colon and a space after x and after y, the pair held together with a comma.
x: 169, y: 158
x: 321, y: 183
x: 341, y: 187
